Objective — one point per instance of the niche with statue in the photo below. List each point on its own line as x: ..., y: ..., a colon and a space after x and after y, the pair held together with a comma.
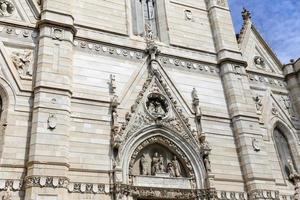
x: 158, y: 166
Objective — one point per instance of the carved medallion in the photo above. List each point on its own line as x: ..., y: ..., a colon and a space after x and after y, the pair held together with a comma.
x: 157, y: 105
x: 6, y: 8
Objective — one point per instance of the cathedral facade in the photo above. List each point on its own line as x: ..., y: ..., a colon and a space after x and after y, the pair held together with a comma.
x: 143, y: 100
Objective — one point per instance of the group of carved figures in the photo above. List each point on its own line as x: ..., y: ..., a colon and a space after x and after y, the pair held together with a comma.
x: 158, y: 166
x: 6, y: 8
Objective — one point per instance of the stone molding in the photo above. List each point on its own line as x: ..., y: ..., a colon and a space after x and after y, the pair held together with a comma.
x: 18, y: 32
x: 260, y: 79
x: 46, y: 181
x: 105, y: 49
x: 141, y: 192
x: 63, y: 182
x: 264, y: 194
x: 12, y: 184
x: 88, y: 188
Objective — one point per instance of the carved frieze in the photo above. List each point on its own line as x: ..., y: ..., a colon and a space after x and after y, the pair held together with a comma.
x: 7, y: 8
x: 18, y: 32
x: 264, y: 194
x: 109, y: 50
x: 227, y: 195
x: 12, y: 184
x: 188, y: 65
x: 260, y: 79
x: 46, y: 181
x: 88, y: 188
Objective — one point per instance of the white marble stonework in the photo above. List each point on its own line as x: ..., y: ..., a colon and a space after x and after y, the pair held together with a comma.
x: 161, y: 182
x: 132, y: 100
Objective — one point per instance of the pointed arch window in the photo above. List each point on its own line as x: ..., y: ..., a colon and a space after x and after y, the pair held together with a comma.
x: 144, y: 12
x: 284, y: 150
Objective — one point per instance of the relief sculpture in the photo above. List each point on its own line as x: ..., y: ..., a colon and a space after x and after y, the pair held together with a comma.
x: 23, y: 62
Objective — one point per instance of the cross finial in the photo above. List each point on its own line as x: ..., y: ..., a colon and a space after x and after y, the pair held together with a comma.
x: 246, y: 14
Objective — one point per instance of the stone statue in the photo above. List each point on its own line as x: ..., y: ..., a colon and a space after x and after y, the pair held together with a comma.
x: 170, y: 170
x: 161, y: 163
x: 22, y: 62
x: 7, y: 195
x: 176, y: 166
x: 117, y: 137
x: 258, y: 103
x: 196, y: 106
x: 292, y: 171
x: 195, y: 95
x: 205, y: 150
x: 207, y: 163
x: 115, y: 117
x: 155, y: 164
x: 151, y: 107
x: 158, y: 109
x: 144, y: 165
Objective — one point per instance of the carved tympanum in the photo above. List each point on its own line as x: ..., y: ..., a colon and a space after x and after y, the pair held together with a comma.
x: 158, y: 161
x: 6, y: 8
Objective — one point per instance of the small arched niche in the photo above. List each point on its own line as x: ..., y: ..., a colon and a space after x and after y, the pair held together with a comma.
x: 158, y: 162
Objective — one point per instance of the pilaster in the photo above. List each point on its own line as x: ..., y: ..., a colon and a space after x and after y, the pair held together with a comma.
x: 48, y: 161
x: 241, y: 108
x: 292, y: 76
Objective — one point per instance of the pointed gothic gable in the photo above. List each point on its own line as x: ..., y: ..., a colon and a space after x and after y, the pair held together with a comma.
x: 155, y: 107
x: 257, y: 52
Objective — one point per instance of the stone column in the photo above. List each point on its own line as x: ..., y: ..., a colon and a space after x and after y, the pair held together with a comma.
x: 245, y: 122
x: 292, y: 76
x: 48, y: 161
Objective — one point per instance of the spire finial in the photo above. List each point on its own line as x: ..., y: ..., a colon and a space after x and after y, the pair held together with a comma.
x: 246, y: 14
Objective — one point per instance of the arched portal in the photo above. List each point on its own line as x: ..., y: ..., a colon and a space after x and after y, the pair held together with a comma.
x: 156, y: 160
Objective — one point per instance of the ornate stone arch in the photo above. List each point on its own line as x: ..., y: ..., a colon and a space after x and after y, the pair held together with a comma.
x: 192, y: 158
x: 291, y: 138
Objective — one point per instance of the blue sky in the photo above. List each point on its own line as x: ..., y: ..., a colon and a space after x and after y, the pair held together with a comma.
x: 278, y: 21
